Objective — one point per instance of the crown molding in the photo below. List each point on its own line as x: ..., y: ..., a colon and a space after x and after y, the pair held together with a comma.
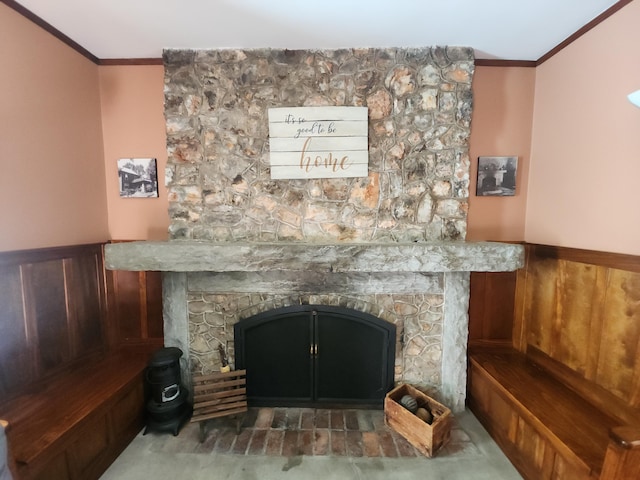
x: 491, y: 62
x: 589, y: 26
x: 51, y: 29
x: 130, y: 61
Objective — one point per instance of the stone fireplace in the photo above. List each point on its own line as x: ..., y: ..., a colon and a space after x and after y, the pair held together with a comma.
x: 390, y: 244
x: 422, y: 288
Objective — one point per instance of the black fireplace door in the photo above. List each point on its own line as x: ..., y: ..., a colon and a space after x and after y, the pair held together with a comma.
x: 316, y: 355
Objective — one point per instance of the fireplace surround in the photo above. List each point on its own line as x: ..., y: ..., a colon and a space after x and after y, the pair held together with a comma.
x: 423, y: 288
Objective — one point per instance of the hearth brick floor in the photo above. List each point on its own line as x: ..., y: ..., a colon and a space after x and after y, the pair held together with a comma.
x: 289, y: 432
x: 307, y: 444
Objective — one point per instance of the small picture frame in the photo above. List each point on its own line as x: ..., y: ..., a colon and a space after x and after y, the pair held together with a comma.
x: 138, y: 177
x: 497, y: 176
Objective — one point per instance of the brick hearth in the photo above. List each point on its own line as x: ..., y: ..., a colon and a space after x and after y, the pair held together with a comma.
x: 289, y: 432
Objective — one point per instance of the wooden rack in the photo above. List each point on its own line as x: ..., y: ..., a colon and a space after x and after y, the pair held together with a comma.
x: 219, y: 395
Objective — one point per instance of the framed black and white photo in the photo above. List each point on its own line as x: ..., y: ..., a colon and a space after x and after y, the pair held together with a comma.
x: 138, y: 177
x: 497, y: 176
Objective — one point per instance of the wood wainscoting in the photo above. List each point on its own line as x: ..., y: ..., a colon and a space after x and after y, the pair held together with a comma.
x: 135, y: 307
x: 53, y: 313
x: 491, y: 306
x: 74, y: 344
x: 554, y: 356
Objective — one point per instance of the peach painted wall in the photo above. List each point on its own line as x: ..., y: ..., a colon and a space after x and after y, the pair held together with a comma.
x: 134, y: 126
x: 583, y: 184
x: 584, y: 146
x: 500, y: 126
x: 52, y: 182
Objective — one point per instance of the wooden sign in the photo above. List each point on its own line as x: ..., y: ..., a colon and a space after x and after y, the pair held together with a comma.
x: 318, y: 142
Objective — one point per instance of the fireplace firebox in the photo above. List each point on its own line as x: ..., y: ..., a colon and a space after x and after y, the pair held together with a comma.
x: 316, y: 355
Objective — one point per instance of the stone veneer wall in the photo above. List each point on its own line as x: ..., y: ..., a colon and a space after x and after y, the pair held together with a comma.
x: 419, y: 103
x: 218, y: 178
x: 418, y: 320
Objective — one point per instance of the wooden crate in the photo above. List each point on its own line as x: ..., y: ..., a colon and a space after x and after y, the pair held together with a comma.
x: 427, y: 438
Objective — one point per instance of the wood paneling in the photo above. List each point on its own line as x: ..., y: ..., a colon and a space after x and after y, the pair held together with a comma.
x: 550, y: 419
x: 16, y: 353
x: 577, y: 288
x: 584, y: 312
x: 562, y: 468
x: 532, y: 446
x: 491, y: 305
x: 135, y: 307
x: 86, y: 415
x: 573, y: 373
x: 540, y: 303
x: 618, y: 261
x: 45, y: 286
x: 73, y: 397
x: 53, y: 312
x: 128, y: 288
x: 618, y: 356
x: 85, y: 277
x: 598, y: 396
x: 57, y: 469
x: 127, y: 411
x: 91, y: 442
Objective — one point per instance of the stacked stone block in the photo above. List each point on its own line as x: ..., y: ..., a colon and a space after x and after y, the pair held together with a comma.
x: 218, y: 176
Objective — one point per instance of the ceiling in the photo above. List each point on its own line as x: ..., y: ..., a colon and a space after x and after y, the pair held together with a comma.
x: 496, y: 29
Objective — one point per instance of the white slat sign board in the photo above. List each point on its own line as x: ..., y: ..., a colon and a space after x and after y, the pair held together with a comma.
x: 318, y: 142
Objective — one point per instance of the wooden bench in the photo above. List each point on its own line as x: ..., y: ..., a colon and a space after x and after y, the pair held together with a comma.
x: 74, y: 426
x: 71, y: 385
x: 558, y: 383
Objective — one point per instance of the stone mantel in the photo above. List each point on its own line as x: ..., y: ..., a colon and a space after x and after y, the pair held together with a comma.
x: 193, y: 256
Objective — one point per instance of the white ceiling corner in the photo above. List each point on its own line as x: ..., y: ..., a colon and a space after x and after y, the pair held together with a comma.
x: 496, y: 29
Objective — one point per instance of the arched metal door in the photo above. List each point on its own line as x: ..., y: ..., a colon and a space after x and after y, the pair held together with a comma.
x: 316, y: 355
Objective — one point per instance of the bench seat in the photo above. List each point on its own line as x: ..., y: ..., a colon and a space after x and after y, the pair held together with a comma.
x: 554, y: 374
x: 572, y: 426
x: 75, y: 424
